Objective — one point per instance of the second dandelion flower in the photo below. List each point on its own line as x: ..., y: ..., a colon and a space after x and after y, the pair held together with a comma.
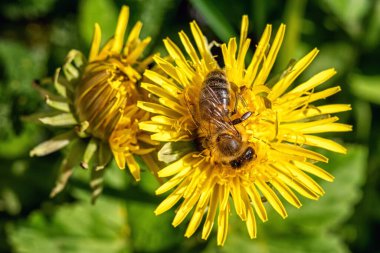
x: 96, y: 102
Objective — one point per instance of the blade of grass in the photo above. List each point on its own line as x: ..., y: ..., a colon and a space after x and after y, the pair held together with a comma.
x: 217, y: 21
x: 293, y: 14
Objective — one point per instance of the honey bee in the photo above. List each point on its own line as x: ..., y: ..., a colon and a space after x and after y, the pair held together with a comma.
x: 216, y: 130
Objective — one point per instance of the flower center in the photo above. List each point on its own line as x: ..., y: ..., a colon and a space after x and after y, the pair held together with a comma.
x: 102, y: 95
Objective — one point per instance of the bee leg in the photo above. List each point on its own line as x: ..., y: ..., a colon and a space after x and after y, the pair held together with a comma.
x: 242, y: 118
x: 235, y: 105
x: 238, y: 97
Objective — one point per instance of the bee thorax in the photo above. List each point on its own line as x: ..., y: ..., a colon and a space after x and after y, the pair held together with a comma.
x: 228, y: 144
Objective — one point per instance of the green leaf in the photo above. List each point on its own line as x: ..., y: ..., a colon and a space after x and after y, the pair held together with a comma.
x: 216, y: 18
x: 30, y: 64
x: 149, y: 182
x: 293, y: 18
x: 150, y: 233
x: 372, y: 36
x: 366, y: 87
x: 103, y: 12
x: 19, y: 66
x: 74, y: 228
x: 26, y: 8
x: 24, y: 184
x: 363, y: 117
x: 116, y: 178
x: 280, y: 243
x: 349, y: 12
x: 16, y: 145
x: 152, y: 14
x: 9, y: 201
x: 338, y: 55
x: 258, y: 15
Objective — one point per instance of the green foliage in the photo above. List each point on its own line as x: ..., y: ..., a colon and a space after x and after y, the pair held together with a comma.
x: 17, y: 95
x: 79, y: 227
x: 366, y: 87
x: 26, y: 8
x: 215, y: 18
x: 152, y: 13
x: 103, y: 12
x: 109, y: 226
x: 349, y: 12
x: 293, y: 15
x: 372, y: 36
x: 150, y: 233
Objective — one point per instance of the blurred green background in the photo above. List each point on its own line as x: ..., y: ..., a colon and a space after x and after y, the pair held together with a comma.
x: 37, y: 34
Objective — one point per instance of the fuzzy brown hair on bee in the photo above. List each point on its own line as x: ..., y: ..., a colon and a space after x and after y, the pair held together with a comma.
x: 216, y: 130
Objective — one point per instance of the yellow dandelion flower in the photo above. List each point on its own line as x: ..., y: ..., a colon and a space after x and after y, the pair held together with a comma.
x: 251, y: 140
x: 98, y: 101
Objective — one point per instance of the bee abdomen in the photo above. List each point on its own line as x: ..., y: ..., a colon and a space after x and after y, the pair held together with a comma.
x: 214, y: 97
x: 216, y: 79
x: 215, y: 94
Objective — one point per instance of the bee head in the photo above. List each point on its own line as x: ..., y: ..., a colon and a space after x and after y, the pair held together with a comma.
x: 247, y: 156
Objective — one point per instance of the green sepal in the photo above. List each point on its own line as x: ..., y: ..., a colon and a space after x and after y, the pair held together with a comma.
x: 63, y: 119
x: 81, y: 129
x: 97, y: 173
x: 104, y: 156
x: 35, y: 117
x: 96, y: 183
x: 66, y: 170
x: 71, y: 72
x: 60, y: 83
x: 79, y: 60
x: 52, y: 145
x: 91, y: 149
x: 74, y: 65
x: 60, y: 106
x: 172, y: 151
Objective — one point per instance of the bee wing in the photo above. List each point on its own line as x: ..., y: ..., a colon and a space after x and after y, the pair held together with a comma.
x: 220, y: 120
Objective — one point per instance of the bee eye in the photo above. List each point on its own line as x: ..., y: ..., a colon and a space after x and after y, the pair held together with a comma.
x: 249, y: 153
